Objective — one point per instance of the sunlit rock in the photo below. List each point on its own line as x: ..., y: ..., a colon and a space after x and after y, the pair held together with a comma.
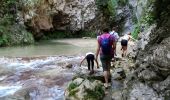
x: 58, y: 14
x: 86, y: 90
x: 118, y: 74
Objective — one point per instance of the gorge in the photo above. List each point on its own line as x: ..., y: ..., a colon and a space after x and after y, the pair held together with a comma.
x: 24, y: 22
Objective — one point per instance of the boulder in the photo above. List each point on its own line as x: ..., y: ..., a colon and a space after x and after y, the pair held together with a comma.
x: 69, y: 66
x: 141, y: 91
x: 118, y: 74
x: 84, y: 89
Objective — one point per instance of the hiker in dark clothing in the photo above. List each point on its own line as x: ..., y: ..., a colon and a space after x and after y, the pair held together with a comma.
x: 90, y: 61
x: 124, y: 43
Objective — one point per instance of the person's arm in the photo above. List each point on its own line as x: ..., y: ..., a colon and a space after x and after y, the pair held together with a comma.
x: 97, y: 51
x: 114, y: 43
x: 97, y: 63
x: 82, y: 61
x: 117, y: 36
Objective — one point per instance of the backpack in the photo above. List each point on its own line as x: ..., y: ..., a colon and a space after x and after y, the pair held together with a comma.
x: 106, y: 44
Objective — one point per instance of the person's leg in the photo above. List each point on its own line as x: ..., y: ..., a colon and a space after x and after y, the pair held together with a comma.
x: 121, y: 45
x: 106, y: 77
x: 91, y: 61
x: 88, y: 63
x: 125, y: 52
x: 124, y: 47
x: 92, y: 64
x: 115, y: 49
x: 106, y: 68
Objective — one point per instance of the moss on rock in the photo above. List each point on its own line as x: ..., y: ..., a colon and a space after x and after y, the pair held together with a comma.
x: 11, y: 32
x: 15, y: 35
x: 84, y: 89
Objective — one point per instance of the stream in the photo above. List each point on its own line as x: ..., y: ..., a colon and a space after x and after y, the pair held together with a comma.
x: 38, y: 72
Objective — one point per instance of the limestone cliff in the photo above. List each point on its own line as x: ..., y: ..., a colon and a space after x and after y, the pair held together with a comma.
x: 152, y: 63
x: 73, y: 15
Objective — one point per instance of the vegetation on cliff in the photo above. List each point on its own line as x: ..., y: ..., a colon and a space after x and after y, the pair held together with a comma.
x: 12, y: 33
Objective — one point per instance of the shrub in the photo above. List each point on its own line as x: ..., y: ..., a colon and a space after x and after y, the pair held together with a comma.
x: 95, y: 94
x: 136, y: 31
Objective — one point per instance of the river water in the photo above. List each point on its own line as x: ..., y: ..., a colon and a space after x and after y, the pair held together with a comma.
x: 38, y: 72
x: 51, y: 47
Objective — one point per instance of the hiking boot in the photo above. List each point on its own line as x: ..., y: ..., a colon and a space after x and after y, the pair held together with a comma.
x: 106, y: 85
x: 115, y: 54
x: 91, y: 72
x: 122, y: 55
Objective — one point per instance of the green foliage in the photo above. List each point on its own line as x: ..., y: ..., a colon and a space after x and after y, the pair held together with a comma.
x: 3, y: 36
x: 7, y: 20
x: 112, y: 4
x: 72, y: 90
x: 12, y: 33
x: 107, y: 7
x: 56, y: 34
x: 10, y: 2
x: 136, y: 31
x: 101, y: 4
x: 87, y: 34
x: 64, y: 34
x: 95, y: 94
x: 72, y: 86
x: 148, y: 18
x: 3, y: 40
x: 122, y: 2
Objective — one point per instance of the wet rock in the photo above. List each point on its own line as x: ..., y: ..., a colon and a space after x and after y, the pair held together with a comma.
x: 148, y: 75
x: 143, y: 92
x: 69, y: 66
x: 96, y: 76
x: 117, y: 95
x: 86, y: 37
x: 86, y: 90
x: 78, y: 81
x: 163, y: 87
x: 117, y: 58
x: 118, y: 74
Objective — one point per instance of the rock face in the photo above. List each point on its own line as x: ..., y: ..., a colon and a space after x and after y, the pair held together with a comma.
x: 143, y: 92
x: 152, y: 63
x: 71, y: 15
x: 123, y: 18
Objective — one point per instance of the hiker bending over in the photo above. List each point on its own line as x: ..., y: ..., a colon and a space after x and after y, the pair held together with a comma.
x: 90, y: 61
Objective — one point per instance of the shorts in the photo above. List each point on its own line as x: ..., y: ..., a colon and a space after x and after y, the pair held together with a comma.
x: 106, y: 62
x: 90, y: 57
x: 124, y: 42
